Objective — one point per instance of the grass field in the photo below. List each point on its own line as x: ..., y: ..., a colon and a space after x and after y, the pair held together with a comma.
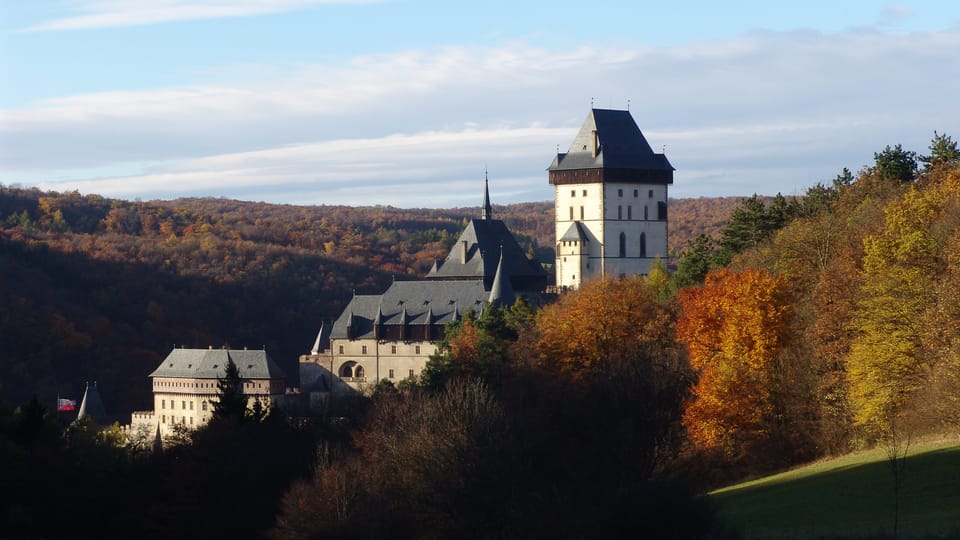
x: 851, y: 497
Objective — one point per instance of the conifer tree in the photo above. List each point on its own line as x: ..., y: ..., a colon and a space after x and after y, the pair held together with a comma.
x: 232, y: 403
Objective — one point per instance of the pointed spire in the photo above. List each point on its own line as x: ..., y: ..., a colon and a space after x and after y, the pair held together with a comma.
x: 92, y: 405
x: 487, y: 211
x: 317, y: 344
x: 501, y: 292
x: 157, y: 442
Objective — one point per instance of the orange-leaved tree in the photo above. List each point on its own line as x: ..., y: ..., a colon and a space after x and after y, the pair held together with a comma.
x: 736, y: 328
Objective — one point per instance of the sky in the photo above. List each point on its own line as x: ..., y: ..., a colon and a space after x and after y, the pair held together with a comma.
x: 410, y: 103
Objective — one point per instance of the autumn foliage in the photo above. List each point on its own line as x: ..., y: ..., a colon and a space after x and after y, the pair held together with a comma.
x: 736, y: 329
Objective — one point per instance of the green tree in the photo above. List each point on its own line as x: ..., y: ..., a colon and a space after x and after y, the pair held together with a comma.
x: 231, y: 404
x: 896, y: 164
x: 943, y: 150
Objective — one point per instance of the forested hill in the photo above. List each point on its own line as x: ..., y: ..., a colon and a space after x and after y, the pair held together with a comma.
x: 100, y: 289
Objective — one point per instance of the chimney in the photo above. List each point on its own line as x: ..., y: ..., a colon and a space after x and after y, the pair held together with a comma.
x: 463, y: 252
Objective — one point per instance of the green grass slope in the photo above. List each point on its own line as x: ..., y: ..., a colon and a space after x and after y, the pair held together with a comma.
x: 850, y: 497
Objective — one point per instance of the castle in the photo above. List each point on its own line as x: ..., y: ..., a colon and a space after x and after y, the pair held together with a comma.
x: 610, y: 196
x: 610, y: 201
x: 392, y: 335
x: 611, y: 220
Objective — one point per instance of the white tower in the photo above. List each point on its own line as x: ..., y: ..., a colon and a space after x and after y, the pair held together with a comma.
x: 610, y: 196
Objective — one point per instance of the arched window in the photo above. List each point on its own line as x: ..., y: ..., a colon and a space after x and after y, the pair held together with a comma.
x: 358, y: 371
x: 643, y: 244
x: 346, y: 370
x: 623, y: 245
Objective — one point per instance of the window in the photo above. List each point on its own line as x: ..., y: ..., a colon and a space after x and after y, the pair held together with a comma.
x: 661, y: 210
x: 619, y: 212
x: 191, y: 405
x: 645, y: 213
x: 619, y: 193
x: 191, y: 420
x: 363, y: 349
x: 358, y: 372
x: 341, y: 349
x: 651, y: 194
x: 643, y: 244
x: 581, y: 213
x: 584, y: 193
x: 571, y: 213
x: 183, y: 405
x: 203, y: 406
x: 623, y: 245
x: 636, y: 193
x: 629, y: 212
x: 573, y: 193
x: 391, y: 373
x: 393, y: 349
x: 411, y: 374
x: 163, y: 419
x: 416, y: 349
x: 163, y: 404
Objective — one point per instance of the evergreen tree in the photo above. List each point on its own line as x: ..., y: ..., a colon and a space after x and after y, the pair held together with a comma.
x: 896, y: 164
x: 943, y: 149
x: 232, y: 403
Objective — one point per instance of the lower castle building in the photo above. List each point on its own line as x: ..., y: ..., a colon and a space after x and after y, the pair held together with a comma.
x: 392, y: 335
x: 185, y: 386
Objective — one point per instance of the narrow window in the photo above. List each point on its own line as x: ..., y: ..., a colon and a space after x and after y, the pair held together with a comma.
x: 203, y: 405
x: 393, y: 349
x: 573, y: 193
x: 643, y: 244
x: 341, y: 349
x: 646, y: 213
x: 191, y: 405
x: 363, y: 349
x: 619, y: 193
x: 391, y: 373
x: 584, y: 193
x: 636, y: 193
x: 163, y: 404
x: 619, y: 212
x: 183, y: 405
x: 623, y: 245
x: 571, y: 213
x: 661, y: 211
x: 416, y: 349
x: 581, y: 213
x: 411, y: 373
x: 629, y: 212
x: 651, y: 193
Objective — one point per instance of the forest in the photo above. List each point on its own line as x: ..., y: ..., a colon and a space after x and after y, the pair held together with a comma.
x: 795, y: 328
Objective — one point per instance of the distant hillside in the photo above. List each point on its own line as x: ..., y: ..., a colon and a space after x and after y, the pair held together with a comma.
x: 102, y: 289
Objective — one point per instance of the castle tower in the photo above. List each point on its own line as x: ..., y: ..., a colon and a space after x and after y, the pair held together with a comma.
x: 610, y: 201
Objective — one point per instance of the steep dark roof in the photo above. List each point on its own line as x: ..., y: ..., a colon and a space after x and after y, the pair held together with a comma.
x: 501, y: 292
x: 92, y: 405
x: 211, y: 364
x: 575, y: 233
x: 411, y: 303
x: 486, y: 241
x: 620, y: 145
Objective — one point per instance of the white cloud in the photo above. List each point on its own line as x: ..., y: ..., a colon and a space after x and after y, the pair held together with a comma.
x: 121, y: 13
x: 765, y: 112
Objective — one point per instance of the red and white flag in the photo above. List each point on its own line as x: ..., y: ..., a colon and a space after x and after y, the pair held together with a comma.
x: 66, y: 404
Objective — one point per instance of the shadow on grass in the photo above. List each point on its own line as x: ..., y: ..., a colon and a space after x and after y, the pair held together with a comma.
x: 851, y: 501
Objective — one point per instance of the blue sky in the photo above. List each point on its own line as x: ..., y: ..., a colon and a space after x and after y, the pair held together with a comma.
x: 405, y: 103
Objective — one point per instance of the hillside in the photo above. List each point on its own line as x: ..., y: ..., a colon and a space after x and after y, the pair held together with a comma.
x: 850, y: 497
x: 101, y: 289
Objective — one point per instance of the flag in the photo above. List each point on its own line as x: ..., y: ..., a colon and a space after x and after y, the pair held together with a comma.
x: 66, y: 404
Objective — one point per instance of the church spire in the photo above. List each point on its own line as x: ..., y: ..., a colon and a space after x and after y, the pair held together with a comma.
x: 487, y: 211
